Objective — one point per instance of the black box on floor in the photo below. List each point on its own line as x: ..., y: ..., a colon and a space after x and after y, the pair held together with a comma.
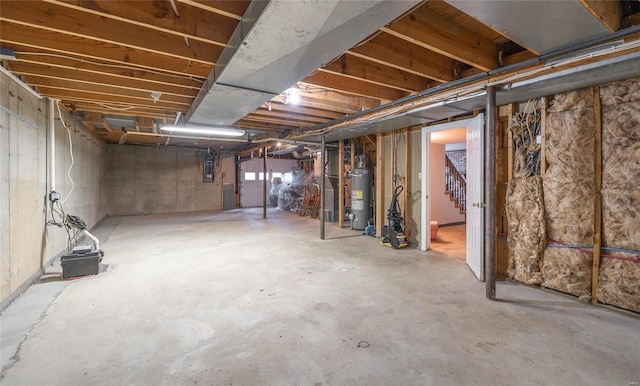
x: 80, y: 263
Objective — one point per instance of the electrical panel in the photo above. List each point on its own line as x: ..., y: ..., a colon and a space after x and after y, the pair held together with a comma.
x: 208, y: 169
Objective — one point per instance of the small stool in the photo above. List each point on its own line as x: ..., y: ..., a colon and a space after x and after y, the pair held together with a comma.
x: 434, y: 229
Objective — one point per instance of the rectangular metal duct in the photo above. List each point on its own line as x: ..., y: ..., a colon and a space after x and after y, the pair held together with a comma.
x: 541, y: 26
x: 279, y: 43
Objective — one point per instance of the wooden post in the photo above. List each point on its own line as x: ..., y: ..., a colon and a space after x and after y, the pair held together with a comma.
x: 407, y: 184
x: 341, y: 183
x: 379, y: 186
x: 543, y: 130
x: 512, y: 111
x: 264, y: 184
x: 597, y: 204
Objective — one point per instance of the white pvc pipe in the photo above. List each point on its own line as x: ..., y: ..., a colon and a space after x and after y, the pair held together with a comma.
x: 52, y: 144
x: 94, y: 239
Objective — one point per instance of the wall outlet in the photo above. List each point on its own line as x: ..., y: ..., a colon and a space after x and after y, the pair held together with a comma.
x: 54, y: 196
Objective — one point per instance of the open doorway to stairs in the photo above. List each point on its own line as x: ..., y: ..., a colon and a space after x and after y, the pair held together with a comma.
x: 447, y: 189
x: 452, y: 178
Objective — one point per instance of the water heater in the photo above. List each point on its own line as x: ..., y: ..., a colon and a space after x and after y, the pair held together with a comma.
x: 360, y: 193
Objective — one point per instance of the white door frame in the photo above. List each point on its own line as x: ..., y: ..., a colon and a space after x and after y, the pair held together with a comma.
x: 425, y: 203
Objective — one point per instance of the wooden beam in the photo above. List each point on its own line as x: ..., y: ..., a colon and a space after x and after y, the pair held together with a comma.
x: 230, y: 9
x: 302, y: 110
x: 68, y: 45
x: 395, y: 52
x: 379, y: 198
x: 334, y: 100
x: 512, y: 111
x: 91, y: 69
x: 597, y: 199
x: 104, y: 89
x: 353, y: 86
x: 407, y: 184
x: 107, y: 126
x: 113, y: 99
x: 42, y: 71
x: 192, y: 23
x: 358, y: 68
x: 543, y: 135
x: 284, y: 115
x: 91, y: 117
x: 260, y: 125
x: 608, y: 12
x: 277, y: 121
x: 434, y: 32
x: 341, y: 183
x: 54, y: 18
x: 138, y: 112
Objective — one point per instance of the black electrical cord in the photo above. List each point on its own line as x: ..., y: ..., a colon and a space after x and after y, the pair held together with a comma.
x: 68, y: 222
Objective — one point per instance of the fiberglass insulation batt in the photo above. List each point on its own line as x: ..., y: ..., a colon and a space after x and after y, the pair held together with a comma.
x: 569, y: 191
x: 619, y: 280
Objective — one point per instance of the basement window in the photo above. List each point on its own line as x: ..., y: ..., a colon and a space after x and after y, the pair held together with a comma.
x: 250, y: 176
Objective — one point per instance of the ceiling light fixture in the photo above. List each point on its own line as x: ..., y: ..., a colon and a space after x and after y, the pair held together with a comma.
x: 204, y: 130
x: 293, y: 96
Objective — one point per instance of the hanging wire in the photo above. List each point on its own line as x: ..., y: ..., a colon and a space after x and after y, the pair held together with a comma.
x: 526, y: 130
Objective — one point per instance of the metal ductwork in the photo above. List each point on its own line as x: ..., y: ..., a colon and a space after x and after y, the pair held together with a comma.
x: 280, y: 42
x: 587, y: 75
x: 541, y: 26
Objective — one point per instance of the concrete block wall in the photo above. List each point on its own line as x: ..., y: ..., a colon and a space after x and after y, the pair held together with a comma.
x: 148, y: 179
x: 26, y: 242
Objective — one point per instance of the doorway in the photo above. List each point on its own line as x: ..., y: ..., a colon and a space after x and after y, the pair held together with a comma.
x: 434, y: 201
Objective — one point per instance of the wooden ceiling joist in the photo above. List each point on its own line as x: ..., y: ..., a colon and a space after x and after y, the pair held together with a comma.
x: 193, y: 23
x: 67, y: 94
x: 327, y: 114
x: 31, y: 70
x: 608, y: 12
x: 104, y: 89
x: 427, y: 29
x: 139, y: 112
x: 358, y: 68
x: 262, y: 112
x: 230, y: 8
x: 394, y: 52
x: 265, y: 119
x: 63, y: 44
x: 50, y: 17
x: 91, y: 69
x: 353, y: 86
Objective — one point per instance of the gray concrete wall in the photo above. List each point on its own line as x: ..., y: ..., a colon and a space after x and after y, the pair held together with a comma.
x: 149, y: 179
x: 26, y: 243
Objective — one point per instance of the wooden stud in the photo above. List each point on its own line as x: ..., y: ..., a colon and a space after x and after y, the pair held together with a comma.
x: 407, y: 184
x: 597, y: 205
x: 341, y: 183
x: 543, y: 131
x: 512, y: 110
x: 379, y: 198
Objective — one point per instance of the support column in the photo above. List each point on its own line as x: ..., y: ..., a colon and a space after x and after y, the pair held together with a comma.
x: 379, y: 198
x: 323, y: 173
x: 341, y: 183
x: 264, y: 185
x: 490, y: 194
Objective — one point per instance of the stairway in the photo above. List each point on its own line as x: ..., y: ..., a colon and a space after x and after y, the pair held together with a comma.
x: 455, y: 181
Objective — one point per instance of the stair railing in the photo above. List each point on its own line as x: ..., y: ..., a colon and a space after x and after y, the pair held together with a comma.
x: 455, y: 184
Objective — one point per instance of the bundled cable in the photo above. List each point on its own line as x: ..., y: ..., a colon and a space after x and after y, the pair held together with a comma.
x: 73, y: 225
x: 526, y: 130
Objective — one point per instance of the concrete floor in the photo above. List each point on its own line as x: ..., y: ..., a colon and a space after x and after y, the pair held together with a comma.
x: 228, y: 299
